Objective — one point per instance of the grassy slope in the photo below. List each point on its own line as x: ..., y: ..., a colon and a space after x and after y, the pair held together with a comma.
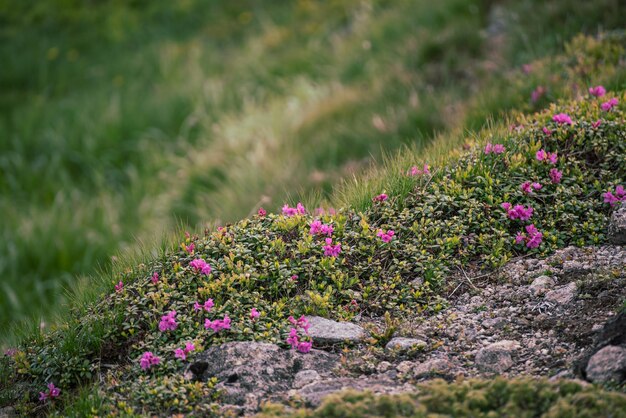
x: 117, y: 119
x: 452, y: 217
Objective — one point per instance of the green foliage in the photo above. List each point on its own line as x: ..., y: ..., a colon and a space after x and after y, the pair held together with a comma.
x: 522, y: 398
x: 450, y: 218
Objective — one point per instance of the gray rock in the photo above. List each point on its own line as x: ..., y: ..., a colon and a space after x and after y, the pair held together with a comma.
x: 541, y: 285
x: 7, y: 412
x: 325, y: 331
x: 562, y: 295
x: 436, y: 366
x: 497, y: 357
x: 248, y: 372
x: 314, y: 394
x: 404, y: 367
x: 608, y: 364
x: 617, y: 226
x: 304, y: 377
x: 383, y: 367
x: 497, y: 322
x: 404, y: 344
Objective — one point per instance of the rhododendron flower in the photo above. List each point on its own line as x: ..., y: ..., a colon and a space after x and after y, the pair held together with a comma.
x: 597, y: 91
x: 606, y: 106
x: 562, y: 119
x: 304, y: 346
x: 532, y: 237
x: 298, y: 210
x: 547, y: 131
x: 414, y: 171
x: 318, y: 228
x: 254, y: 314
x: 301, y: 322
x: 218, y: 324
x: 189, y: 347
x: 519, y: 238
x: 331, y: 250
x: 555, y: 175
x: 52, y: 392
x: 155, y: 277
x: 189, y: 248
x: 294, y: 277
x: 10, y: 352
x: 552, y: 158
x: 293, y: 338
x: 199, y: 265
x: 380, y: 198
x: 527, y: 68
x: 494, y: 148
x: 168, y: 322
x: 619, y: 195
x: 262, y: 212
x: 518, y: 211
x: 537, y: 93
x: 119, y: 287
x: 385, y: 236
x: 180, y: 353
x: 596, y: 124
x: 543, y: 155
x: 528, y: 187
x: 148, y: 360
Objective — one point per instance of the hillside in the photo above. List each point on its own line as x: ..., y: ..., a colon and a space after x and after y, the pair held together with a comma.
x: 122, y: 121
x: 494, y: 261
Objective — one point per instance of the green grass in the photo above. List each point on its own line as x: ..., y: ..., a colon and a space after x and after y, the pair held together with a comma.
x: 122, y: 120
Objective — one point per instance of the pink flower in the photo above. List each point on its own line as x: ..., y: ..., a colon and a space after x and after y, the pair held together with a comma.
x: 199, y: 265
x: 555, y: 175
x: 189, y: 347
x: 607, y: 106
x: 155, y: 277
x: 527, y: 68
x: 385, y: 236
x: 506, y: 206
x: 304, y: 346
x: 180, y: 353
x: 289, y: 211
x: 532, y: 237
x: 168, y: 322
x: 562, y: 119
x: 331, y: 250
x: 262, y: 212
x: 208, y: 305
x: 537, y: 93
x: 552, y: 158
x: 10, y: 352
x: 597, y: 91
x: 518, y: 212
x: 414, y: 171
x: 541, y: 155
x: 119, y: 287
x: 148, y: 360
x: 528, y: 187
x: 254, y: 314
x: 301, y: 322
x: 197, y: 306
x: 519, y: 238
x: 293, y: 338
x: 218, y: 324
x: 494, y: 148
x: 189, y: 248
x: 52, y: 393
x: 620, y: 192
x: 547, y: 131
x: 316, y: 227
x: 596, y: 124
x: 294, y: 278
x: 618, y: 196
x: 300, y: 208
x: 380, y: 198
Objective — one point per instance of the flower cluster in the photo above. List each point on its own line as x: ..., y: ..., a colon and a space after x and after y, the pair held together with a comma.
x: 614, y: 197
x: 596, y: 124
x: 189, y: 249
x: 201, y: 266
x: 207, y: 306
x: 538, y: 93
x: 414, y: 171
x: 610, y: 104
x: 181, y: 353
x: 517, y: 212
x: 53, y: 392
x: 528, y: 187
x: 385, y: 236
x: 597, y: 91
x: 148, y: 360
x: 548, y: 157
x: 294, y: 340
x: 298, y: 210
x: 380, y: 198
x: 494, y: 148
x: 262, y: 212
x: 254, y: 314
x: 168, y: 322
x: 218, y: 324
x: 331, y: 250
x: 555, y: 175
x: 318, y: 228
x: 155, y: 278
x: 119, y: 287
x: 532, y: 237
x: 562, y: 119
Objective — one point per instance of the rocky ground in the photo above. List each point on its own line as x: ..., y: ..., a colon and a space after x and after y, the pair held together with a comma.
x: 559, y: 317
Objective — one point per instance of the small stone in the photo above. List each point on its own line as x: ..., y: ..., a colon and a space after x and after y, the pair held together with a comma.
x: 497, y: 322
x: 617, y: 226
x: 383, y: 366
x: 608, y: 364
x: 304, y: 377
x: 404, y: 344
x: 433, y: 366
x: 324, y: 330
x: 541, y: 285
x: 496, y: 357
x: 562, y: 295
x: 404, y: 367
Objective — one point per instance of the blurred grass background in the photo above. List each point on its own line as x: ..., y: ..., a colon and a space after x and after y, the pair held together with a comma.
x: 120, y: 120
